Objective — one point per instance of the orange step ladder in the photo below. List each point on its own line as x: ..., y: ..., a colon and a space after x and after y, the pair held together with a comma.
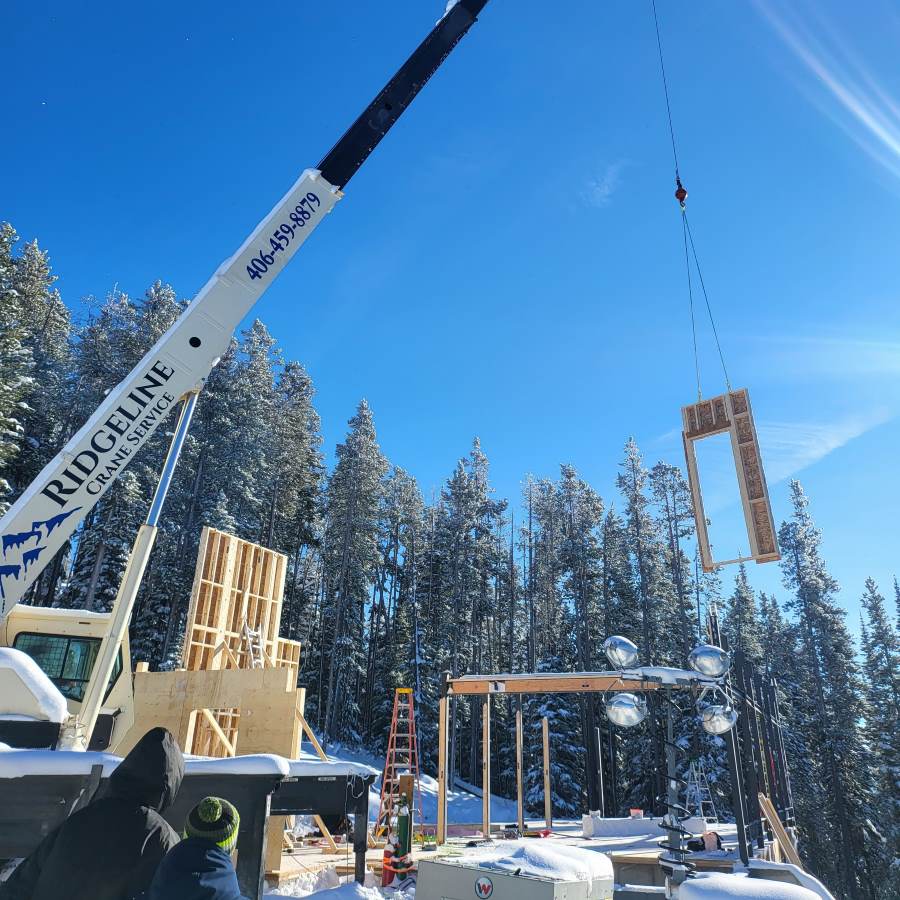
x: 402, y: 759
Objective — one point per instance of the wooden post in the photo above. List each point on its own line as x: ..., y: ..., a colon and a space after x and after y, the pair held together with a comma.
x: 520, y: 801
x: 548, y: 799
x: 441, y: 830
x: 784, y: 839
x: 486, y: 766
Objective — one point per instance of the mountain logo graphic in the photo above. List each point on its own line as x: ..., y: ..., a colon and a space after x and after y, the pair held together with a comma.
x: 19, y: 542
x: 484, y: 887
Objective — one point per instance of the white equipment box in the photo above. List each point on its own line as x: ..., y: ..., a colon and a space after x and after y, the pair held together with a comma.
x: 459, y: 879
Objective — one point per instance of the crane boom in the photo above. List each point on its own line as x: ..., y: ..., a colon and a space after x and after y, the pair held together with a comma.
x: 38, y: 524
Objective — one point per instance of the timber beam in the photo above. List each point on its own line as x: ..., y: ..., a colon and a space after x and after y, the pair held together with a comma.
x: 552, y: 683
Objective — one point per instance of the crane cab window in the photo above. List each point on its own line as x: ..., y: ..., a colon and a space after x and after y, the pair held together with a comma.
x: 67, y: 661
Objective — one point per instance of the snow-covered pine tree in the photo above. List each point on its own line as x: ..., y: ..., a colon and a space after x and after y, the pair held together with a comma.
x: 567, y: 775
x: 643, y: 768
x: 391, y: 636
x: 741, y: 621
x: 673, y: 499
x: 841, y: 852
x: 581, y: 571
x: 881, y: 665
x: 294, y: 516
x: 15, y: 367
x: 353, y: 496
x: 46, y: 325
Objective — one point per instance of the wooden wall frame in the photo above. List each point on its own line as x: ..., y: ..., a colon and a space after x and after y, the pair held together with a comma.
x: 238, y: 587
x: 527, y: 683
x: 731, y: 412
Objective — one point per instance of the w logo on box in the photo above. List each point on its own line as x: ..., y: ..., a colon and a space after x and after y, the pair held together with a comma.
x: 484, y: 887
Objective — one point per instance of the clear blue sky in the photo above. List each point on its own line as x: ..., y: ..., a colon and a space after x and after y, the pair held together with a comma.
x: 508, y: 263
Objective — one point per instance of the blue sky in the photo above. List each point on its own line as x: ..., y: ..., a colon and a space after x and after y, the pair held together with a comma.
x: 508, y: 263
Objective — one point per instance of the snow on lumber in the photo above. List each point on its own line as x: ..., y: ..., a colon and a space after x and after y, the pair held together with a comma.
x: 665, y: 675
x: 559, y: 861
x: 26, y: 690
x: 717, y: 886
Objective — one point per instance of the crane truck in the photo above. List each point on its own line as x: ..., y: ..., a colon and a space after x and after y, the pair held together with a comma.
x: 86, y: 654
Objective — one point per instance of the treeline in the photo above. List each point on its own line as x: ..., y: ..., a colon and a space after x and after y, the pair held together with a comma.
x: 386, y: 590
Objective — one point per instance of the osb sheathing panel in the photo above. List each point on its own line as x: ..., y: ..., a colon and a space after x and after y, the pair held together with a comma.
x: 264, y: 705
x: 731, y: 413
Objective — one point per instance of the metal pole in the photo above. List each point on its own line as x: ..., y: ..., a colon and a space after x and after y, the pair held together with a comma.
x: 78, y: 735
x: 600, y: 771
x: 168, y: 470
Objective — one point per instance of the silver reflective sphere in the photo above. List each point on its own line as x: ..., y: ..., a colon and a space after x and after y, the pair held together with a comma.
x: 710, y: 660
x: 626, y: 709
x: 620, y: 651
x: 719, y: 718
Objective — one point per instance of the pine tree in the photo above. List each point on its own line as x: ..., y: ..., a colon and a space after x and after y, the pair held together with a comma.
x: 566, y: 746
x: 881, y: 664
x: 15, y: 367
x: 351, y: 546
x: 741, y: 624
x: 46, y: 335
x: 833, y: 821
x: 645, y: 778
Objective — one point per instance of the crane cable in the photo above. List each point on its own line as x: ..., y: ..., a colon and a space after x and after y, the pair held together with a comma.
x: 681, y: 196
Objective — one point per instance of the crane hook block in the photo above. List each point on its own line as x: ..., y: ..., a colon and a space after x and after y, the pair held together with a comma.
x: 681, y: 194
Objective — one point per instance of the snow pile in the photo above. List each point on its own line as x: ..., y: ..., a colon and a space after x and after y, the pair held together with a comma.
x: 19, y: 763
x: 545, y: 860
x: 252, y: 764
x: 306, y: 884
x: 718, y: 886
x: 349, y: 891
x: 790, y: 870
x: 26, y: 690
x: 310, y: 764
x: 597, y: 827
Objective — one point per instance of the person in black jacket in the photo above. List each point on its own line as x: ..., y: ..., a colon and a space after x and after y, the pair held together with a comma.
x: 110, y: 849
x: 200, y: 867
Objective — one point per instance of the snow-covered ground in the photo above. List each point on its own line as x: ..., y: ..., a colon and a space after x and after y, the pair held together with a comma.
x: 461, y: 805
x: 546, y: 859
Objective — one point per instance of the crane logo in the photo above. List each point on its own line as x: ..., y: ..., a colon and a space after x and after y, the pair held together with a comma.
x: 484, y: 887
x: 20, y: 544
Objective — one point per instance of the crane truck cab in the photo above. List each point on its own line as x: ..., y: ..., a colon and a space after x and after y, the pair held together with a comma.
x: 65, y: 643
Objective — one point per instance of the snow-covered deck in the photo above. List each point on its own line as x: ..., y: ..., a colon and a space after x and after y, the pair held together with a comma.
x: 20, y: 763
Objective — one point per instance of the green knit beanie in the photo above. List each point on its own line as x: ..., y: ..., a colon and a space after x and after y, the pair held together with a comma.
x: 216, y: 820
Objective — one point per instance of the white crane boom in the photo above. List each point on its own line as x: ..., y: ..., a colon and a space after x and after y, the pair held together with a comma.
x: 38, y: 524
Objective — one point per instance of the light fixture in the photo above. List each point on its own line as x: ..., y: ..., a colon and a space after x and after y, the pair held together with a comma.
x: 719, y: 718
x: 620, y: 651
x: 626, y: 709
x: 707, y: 659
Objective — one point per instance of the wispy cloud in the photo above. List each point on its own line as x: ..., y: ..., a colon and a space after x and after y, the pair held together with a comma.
x: 790, y: 447
x: 865, y: 110
x: 598, y: 189
x: 831, y: 357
